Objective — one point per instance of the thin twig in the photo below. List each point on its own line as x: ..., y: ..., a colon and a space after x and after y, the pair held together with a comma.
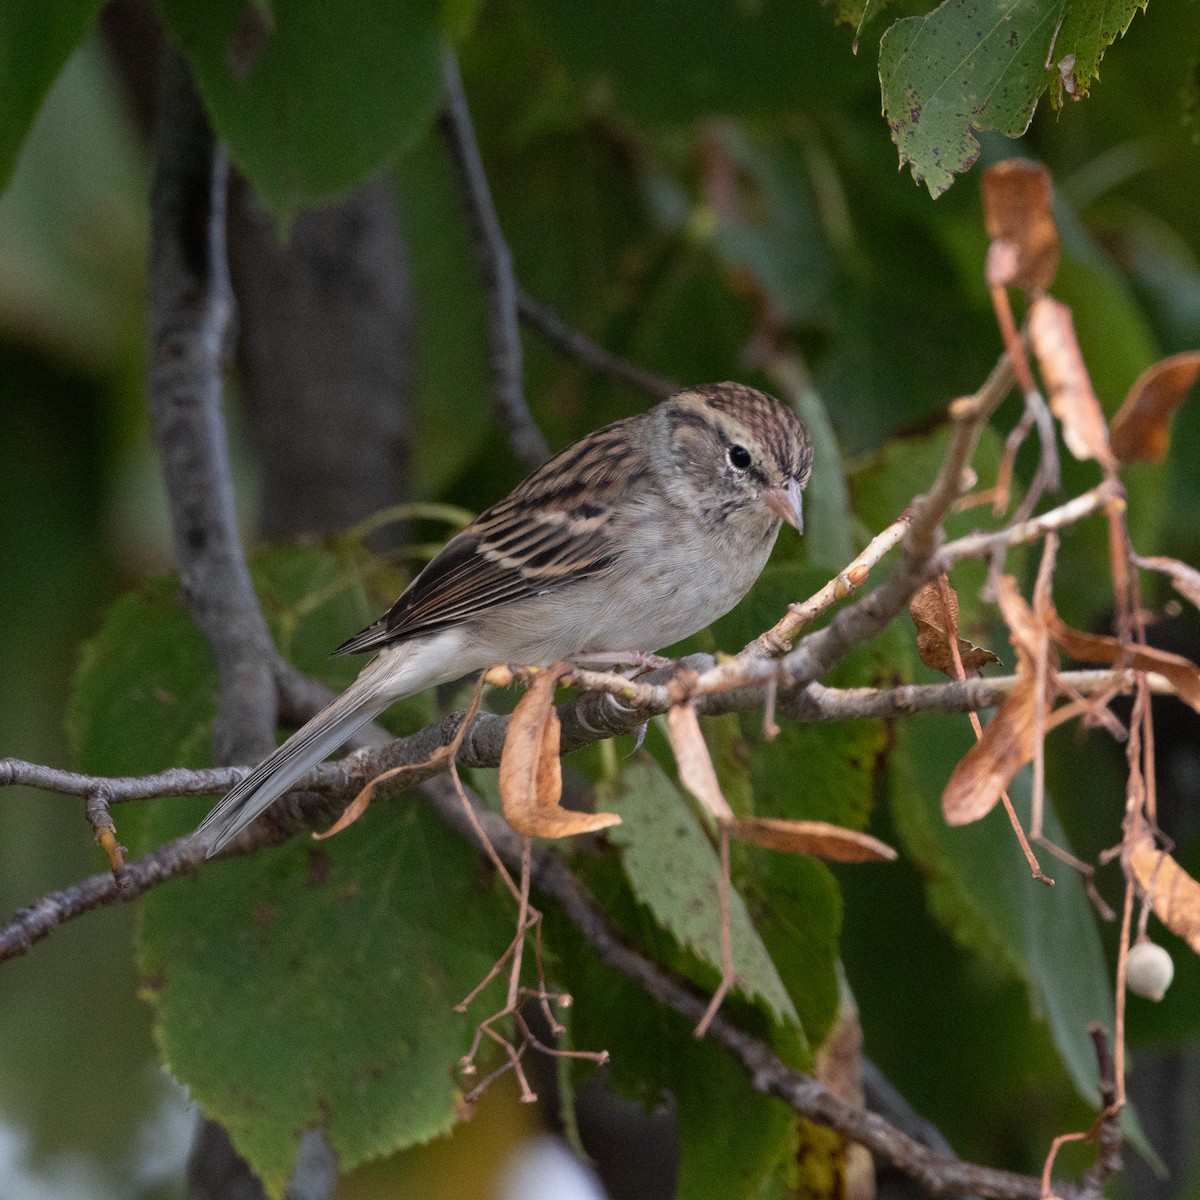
x: 495, y: 263
x: 940, y: 1174
x: 573, y: 344
x: 728, y: 975
x: 778, y: 639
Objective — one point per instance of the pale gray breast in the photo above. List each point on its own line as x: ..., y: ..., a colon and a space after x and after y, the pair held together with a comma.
x: 665, y: 586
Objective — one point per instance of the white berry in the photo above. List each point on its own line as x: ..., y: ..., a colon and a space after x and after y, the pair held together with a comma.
x: 1148, y: 970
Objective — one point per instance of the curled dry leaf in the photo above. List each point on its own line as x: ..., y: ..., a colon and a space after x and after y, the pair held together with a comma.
x: 696, y: 771
x: 934, y: 634
x: 1018, y: 216
x: 1100, y: 648
x: 1174, y: 894
x: 818, y: 838
x: 1184, y: 579
x: 1072, y: 399
x: 1141, y: 430
x: 362, y: 801
x: 1007, y: 743
x: 531, y: 770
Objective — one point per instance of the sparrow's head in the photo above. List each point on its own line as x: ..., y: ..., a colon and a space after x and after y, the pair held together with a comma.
x: 742, y: 456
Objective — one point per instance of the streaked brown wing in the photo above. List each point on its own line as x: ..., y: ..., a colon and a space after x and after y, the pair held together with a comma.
x: 549, y: 533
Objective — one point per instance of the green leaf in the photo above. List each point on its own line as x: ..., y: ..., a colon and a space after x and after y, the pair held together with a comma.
x: 777, y: 233
x: 313, y: 104
x: 796, y: 906
x: 1088, y: 28
x: 968, y: 65
x: 145, y: 692
x: 821, y: 772
x: 36, y: 39
x: 314, y: 987
x: 724, y: 56
x: 657, y: 827
x: 302, y: 987
x: 72, y: 229
x: 453, y: 415
x: 979, y: 887
x: 654, y: 1052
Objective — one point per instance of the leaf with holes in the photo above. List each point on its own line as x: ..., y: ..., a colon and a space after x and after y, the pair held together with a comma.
x: 968, y: 66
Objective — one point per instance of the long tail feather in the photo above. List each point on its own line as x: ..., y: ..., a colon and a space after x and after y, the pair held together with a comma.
x: 309, y: 745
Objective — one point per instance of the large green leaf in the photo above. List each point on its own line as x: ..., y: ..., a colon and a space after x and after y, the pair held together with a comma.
x: 302, y: 987
x: 816, y: 772
x: 36, y: 39
x: 979, y: 886
x: 315, y: 987
x: 654, y: 1053
x: 145, y: 693
x: 656, y: 827
x: 314, y: 100
x: 969, y: 65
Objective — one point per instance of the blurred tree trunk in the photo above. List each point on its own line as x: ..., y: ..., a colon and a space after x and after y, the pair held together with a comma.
x: 324, y: 352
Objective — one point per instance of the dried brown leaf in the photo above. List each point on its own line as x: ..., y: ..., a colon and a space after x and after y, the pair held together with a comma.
x: 1072, y: 399
x: 817, y: 838
x: 1007, y: 743
x: 355, y: 808
x: 933, y: 636
x: 1018, y: 215
x: 362, y: 801
x: 1184, y: 579
x: 1100, y: 648
x: 1141, y: 430
x: 531, y: 770
x: 1174, y: 894
x: 696, y: 771
x: 988, y: 767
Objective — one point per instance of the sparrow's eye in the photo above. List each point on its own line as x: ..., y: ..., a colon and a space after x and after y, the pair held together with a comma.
x: 739, y: 458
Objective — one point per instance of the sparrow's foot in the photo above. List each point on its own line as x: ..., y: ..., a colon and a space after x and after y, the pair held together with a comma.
x: 640, y: 660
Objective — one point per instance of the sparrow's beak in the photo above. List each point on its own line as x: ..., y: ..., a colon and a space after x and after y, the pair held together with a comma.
x: 787, y: 502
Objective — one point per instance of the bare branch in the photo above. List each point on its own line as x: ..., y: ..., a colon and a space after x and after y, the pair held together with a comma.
x: 938, y: 1173
x: 508, y: 390
x: 483, y: 740
x: 573, y: 344
x: 189, y: 317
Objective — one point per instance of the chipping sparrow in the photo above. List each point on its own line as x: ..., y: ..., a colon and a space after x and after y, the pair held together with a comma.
x: 633, y: 538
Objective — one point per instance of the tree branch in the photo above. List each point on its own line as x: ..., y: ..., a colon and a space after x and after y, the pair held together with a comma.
x: 573, y: 344
x: 938, y: 1173
x: 189, y: 318
x: 481, y: 747
x: 495, y: 262
x: 190, y: 310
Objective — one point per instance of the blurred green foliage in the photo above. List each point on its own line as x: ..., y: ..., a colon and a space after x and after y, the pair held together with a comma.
x: 674, y: 180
